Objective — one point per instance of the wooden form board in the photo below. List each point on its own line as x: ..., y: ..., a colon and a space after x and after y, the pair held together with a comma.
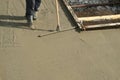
x: 94, y: 5
x: 96, y: 18
x: 80, y: 20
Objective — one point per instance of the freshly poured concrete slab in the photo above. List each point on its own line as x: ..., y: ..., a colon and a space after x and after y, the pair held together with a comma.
x: 69, y: 55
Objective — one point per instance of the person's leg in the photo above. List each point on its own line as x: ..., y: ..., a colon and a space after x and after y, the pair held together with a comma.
x: 30, y: 11
x: 36, y: 8
x: 30, y: 7
x: 37, y: 4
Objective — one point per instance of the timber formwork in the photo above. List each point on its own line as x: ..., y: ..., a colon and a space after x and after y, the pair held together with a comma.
x: 90, y: 22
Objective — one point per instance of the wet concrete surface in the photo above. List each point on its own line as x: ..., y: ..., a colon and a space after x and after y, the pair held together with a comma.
x: 69, y: 55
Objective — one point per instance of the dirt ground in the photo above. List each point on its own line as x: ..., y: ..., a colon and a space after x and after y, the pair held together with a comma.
x: 69, y: 55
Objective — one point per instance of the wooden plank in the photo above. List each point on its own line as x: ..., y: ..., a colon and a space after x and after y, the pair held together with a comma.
x: 99, y: 18
x: 79, y: 20
x: 102, y: 25
x: 93, y: 5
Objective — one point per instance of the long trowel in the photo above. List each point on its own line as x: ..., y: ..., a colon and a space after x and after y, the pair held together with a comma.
x: 58, y: 17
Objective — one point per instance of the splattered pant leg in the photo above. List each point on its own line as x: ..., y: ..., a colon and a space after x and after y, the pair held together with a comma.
x: 31, y: 6
x: 37, y: 5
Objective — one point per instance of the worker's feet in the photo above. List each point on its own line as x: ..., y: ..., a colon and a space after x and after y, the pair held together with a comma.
x: 32, y: 27
x: 35, y: 15
x: 29, y: 20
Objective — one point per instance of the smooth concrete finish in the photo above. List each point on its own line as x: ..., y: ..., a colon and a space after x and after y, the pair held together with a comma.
x: 88, y: 55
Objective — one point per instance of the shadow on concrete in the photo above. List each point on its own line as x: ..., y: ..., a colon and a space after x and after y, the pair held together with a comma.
x: 12, y: 24
x: 6, y: 17
x: 69, y: 16
x: 15, y: 22
x: 7, y: 20
x: 11, y: 21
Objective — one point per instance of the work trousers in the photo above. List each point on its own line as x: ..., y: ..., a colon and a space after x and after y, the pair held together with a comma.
x: 32, y: 6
